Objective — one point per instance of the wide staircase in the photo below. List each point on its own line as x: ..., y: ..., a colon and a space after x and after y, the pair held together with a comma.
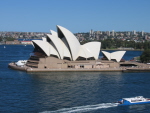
x: 33, y: 61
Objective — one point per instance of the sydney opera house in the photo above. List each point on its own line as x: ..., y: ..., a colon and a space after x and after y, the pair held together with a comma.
x: 62, y: 50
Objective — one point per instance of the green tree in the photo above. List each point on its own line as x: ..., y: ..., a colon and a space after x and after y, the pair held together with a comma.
x: 9, y: 39
x: 145, y: 57
x: 1, y: 39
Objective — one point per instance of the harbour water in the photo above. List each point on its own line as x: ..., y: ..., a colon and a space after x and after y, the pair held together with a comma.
x: 67, y: 92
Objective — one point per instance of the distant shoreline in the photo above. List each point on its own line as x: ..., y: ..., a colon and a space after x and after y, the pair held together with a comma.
x: 125, y: 49
x: 101, y: 49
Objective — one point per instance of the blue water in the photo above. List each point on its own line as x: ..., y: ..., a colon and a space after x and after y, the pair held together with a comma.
x: 67, y: 92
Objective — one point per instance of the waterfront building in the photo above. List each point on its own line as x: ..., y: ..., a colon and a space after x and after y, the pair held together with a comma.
x: 26, y: 42
x: 62, y: 49
x: 13, y: 42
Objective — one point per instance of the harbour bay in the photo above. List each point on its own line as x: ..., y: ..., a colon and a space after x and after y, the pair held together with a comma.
x: 67, y: 91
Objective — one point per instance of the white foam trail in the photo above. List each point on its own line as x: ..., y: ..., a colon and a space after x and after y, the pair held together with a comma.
x: 83, y: 108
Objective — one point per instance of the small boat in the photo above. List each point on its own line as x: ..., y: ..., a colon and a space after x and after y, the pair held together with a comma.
x: 133, y: 100
x: 21, y: 63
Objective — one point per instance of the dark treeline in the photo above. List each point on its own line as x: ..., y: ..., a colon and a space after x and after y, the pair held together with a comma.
x: 145, y: 57
x: 117, y: 43
x: 7, y: 39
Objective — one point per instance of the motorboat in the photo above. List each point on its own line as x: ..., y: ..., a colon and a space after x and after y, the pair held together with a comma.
x: 21, y: 63
x: 133, y: 100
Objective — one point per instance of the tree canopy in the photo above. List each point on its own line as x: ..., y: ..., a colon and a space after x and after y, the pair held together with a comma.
x: 145, y: 57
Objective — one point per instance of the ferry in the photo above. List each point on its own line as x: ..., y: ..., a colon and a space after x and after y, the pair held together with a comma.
x: 133, y: 100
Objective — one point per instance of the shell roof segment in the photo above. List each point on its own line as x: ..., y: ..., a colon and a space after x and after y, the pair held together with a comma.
x: 46, y: 47
x: 93, y: 48
x: 63, y: 44
x: 117, y: 55
x: 71, y: 41
x: 60, y: 46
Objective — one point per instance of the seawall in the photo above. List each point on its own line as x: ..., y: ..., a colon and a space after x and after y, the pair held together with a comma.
x: 29, y: 69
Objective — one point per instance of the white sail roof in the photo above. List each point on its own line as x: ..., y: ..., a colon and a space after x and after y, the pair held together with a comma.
x: 44, y: 39
x: 71, y: 40
x: 84, y: 52
x: 117, y: 55
x: 54, y: 33
x: 46, y: 47
x: 93, y: 48
x: 107, y: 54
x: 64, y: 44
x: 43, y: 45
x: 60, y: 46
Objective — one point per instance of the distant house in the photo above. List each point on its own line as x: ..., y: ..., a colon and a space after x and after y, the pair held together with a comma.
x: 13, y: 42
x: 26, y: 42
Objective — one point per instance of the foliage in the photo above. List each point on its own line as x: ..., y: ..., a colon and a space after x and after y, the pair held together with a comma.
x: 117, y: 43
x: 145, y: 57
x: 9, y: 39
x: 114, y: 43
x: 1, y: 39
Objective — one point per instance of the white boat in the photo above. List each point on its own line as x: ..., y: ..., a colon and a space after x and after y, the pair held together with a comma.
x: 21, y: 63
x: 133, y: 100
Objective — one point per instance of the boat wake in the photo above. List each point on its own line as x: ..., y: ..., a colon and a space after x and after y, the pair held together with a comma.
x: 81, y: 109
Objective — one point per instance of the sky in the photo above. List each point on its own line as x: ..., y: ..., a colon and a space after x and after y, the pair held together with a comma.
x: 76, y: 15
